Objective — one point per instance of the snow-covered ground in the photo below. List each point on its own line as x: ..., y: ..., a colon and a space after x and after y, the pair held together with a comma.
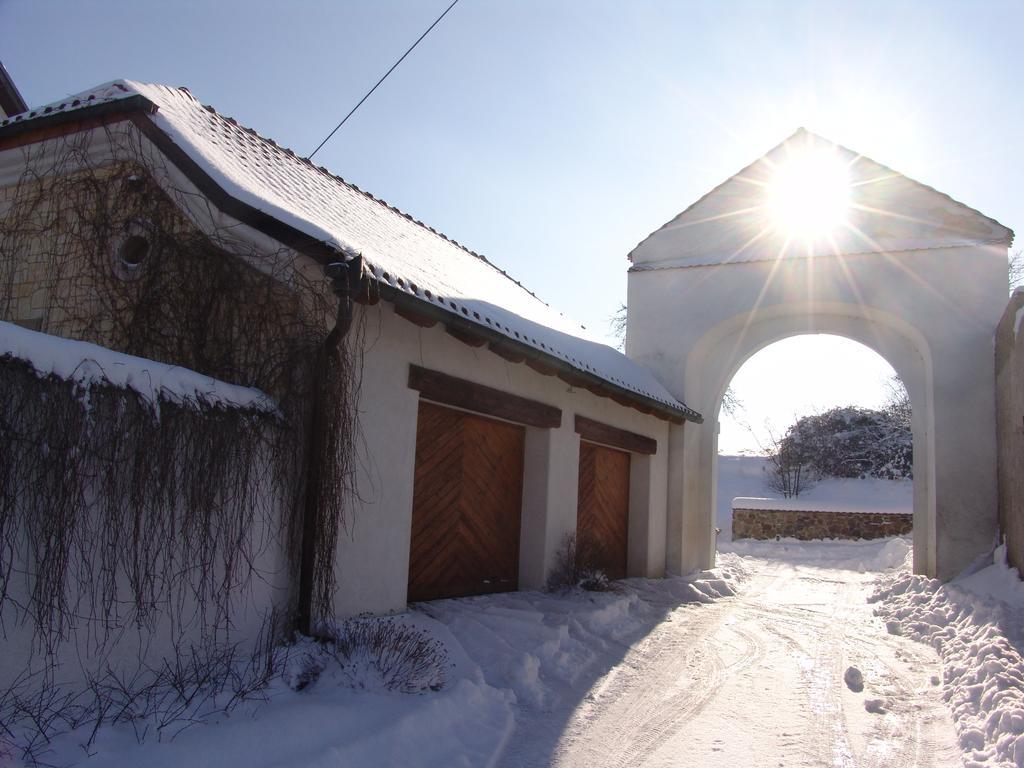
x: 975, y: 624
x: 509, y: 657
x: 789, y: 653
x: 744, y: 476
x: 759, y: 679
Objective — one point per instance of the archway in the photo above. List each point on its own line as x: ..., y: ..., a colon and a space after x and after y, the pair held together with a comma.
x: 914, y: 275
x: 723, y: 349
x: 837, y: 390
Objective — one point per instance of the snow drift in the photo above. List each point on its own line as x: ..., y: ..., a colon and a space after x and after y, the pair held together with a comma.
x: 975, y: 624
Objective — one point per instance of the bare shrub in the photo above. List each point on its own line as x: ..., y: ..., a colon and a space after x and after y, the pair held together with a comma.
x: 897, y: 403
x: 789, y: 470
x: 1016, y: 270
x: 197, y: 684
x: 576, y: 567
x: 385, y: 654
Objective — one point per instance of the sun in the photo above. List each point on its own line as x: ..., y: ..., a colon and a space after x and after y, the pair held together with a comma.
x: 809, y: 195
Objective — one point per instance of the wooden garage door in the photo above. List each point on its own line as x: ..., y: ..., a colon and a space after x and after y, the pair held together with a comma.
x: 467, y: 499
x: 602, y: 523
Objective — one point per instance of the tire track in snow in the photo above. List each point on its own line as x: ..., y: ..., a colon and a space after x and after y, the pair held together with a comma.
x: 626, y: 711
x: 757, y: 680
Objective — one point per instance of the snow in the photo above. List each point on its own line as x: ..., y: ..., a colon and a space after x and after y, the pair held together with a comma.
x: 975, y: 624
x: 508, y: 656
x: 400, y: 251
x: 789, y: 653
x: 757, y: 679
x: 858, y: 556
x: 744, y: 477
x: 90, y: 365
x: 800, y: 505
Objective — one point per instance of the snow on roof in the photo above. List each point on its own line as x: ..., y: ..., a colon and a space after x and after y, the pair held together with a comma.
x: 89, y: 365
x: 400, y: 251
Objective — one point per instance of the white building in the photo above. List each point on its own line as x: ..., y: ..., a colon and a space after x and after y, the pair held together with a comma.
x: 814, y: 238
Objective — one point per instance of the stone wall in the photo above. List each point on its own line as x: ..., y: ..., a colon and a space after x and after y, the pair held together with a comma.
x: 1010, y: 429
x: 799, y: 524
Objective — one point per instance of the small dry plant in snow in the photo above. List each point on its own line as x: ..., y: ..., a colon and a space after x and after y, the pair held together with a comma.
x: 576, y: 567
x: 373, y: 654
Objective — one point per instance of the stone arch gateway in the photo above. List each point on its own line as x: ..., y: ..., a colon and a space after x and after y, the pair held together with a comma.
x: 910, y: 273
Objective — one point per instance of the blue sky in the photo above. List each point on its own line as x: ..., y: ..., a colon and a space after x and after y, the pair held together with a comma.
x: 553, y: 136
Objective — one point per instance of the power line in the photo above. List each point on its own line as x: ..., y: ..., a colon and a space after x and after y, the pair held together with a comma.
x: 393, y: 67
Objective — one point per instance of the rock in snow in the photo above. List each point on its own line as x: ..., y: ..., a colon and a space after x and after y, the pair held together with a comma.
x: 854, y: 679
x: 875, y: 706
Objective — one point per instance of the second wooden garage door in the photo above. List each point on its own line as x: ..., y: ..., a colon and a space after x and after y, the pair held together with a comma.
x: 467, y: 499
x: 602, y: 522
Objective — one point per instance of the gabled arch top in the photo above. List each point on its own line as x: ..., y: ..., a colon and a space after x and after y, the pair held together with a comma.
x: 888, y: 212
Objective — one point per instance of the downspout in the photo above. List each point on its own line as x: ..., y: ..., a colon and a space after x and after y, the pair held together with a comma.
x: 348, y: 281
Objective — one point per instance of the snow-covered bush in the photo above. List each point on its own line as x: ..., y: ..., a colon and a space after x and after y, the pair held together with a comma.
x: 850, y: 442
x: 376, y: 654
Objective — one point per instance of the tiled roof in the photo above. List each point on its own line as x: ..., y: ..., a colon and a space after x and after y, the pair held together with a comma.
x: 401, y: 252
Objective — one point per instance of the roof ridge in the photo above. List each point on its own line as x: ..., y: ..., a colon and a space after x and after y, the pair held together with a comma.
x: 861, y: 155
x: 802, y: 131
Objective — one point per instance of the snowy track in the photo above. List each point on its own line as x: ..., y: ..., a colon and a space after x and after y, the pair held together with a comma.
x: 757, y: 680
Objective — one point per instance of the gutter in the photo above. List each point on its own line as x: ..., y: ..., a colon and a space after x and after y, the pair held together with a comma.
x: 348, y: 281
x: 52, y: 117
x: 499, y: 342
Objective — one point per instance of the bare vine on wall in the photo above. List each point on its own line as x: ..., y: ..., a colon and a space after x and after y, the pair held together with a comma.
x: 115, y: 516
x: 112, y: 515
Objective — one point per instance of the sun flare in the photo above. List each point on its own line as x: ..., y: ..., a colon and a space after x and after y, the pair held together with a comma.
x: 809, y: 195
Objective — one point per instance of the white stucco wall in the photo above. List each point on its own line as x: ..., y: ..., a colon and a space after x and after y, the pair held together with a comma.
x: 373, y: 554
x: 930, y: 313
x: 270, y: 587
x: 128, y: 646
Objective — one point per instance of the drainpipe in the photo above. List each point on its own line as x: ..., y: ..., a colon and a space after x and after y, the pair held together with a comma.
x: 348, y: 281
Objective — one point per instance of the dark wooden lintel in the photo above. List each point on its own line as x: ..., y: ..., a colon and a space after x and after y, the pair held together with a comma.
x: 605, y: 434
x: 448, y: 390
